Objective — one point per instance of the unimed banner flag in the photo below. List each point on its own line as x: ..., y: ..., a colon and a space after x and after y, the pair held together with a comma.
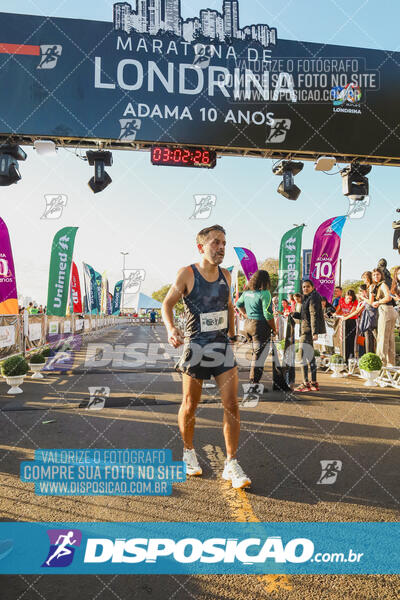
x: 99, y: 283
x: 92, y: 297
x: 325, y: 255
x: 76, y: 290
x: 8, y: 284
x: 290, y: 263
x: 60, y: 271
x: 248, y: 261
x: 116, y: 304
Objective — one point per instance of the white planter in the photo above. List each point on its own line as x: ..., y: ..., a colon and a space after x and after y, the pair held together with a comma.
x: 352, y: 365
x: 36, y: 368
x: 15, y: 382
x: 325, y: 362
x: 337, y: 369
x: 318, y: 362
x: 370, y: 377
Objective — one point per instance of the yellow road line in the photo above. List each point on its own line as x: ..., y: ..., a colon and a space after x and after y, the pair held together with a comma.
x: 242, y: 511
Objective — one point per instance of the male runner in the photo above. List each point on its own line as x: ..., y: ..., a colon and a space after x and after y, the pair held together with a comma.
x: 153, y: 317
x: 209, y: 318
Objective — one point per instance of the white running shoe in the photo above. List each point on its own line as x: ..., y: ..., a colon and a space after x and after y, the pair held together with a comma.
x: 191, y: 462
x: 233, y: 472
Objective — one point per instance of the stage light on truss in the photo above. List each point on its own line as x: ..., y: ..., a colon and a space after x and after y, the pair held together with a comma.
x: 45, y: 147
x: 288, y: 169
x: 325, y: 163
x: 99, y: 159
x: 355, y: 183
x: 10, y: 154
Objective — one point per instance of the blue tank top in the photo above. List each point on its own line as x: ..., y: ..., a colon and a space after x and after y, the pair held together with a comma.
x: 206, y: 310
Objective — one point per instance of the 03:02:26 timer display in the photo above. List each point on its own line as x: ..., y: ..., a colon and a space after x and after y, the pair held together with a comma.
x: 183, y: 157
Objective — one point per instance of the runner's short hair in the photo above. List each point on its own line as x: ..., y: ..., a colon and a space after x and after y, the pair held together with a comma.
x: 202, y: 236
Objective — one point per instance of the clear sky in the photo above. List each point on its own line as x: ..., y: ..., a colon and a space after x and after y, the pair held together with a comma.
x: 146, y: 210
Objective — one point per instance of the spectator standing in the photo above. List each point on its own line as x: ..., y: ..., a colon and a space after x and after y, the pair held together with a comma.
x: 381, y: 299
x: 337, y: 294
x: 312, y: 324
x: 255, y: 304
x: 285, y: 308
x: 395, y: 291
x: 298, y: 298
x: 327, y: 307
x: 382, y: 264
x: 347, y: 310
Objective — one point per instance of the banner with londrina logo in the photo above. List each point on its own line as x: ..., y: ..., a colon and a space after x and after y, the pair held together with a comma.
x: 325, y: 256
x: 92, y: 296
x: 290, y: 263
x: 116, y: 304
x: 8, y: 284
x: 60, y: 270
x: 248, y: 261
x: 109, y: 302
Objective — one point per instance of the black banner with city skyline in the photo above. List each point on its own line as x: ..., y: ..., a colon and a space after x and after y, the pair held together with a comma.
x: 151, y: 76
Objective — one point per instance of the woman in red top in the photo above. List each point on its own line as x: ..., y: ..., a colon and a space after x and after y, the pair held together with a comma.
x: 285, y: 308
x: 346, y: 306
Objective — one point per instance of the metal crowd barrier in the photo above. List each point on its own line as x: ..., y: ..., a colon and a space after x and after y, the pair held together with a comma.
x: 23, y: 333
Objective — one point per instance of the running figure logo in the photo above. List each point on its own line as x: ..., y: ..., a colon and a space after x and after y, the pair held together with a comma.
x: 133, y: 280
x: 49, y: 56
x: 251, y: 394
x: 203, y: 55
x: 330, y: 471
x: 55, y: 204
x: 203, y: 205
x: 129, y: 128
x: 357, y: 208
x: 62, y: 547
x: 279, y: 131
x: 98, y: 397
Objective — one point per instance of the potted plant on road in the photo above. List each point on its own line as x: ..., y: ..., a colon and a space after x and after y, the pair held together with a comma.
x: 46, y: 353
x: 337, y: 365
x: 370, y: 367
x: 14, y: 370
x: 36, y: 364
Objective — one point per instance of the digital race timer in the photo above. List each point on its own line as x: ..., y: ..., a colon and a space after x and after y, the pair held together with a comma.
x: 183, y: 157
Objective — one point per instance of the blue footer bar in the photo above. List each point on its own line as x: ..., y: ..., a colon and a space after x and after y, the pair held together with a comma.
x: 199, y: 548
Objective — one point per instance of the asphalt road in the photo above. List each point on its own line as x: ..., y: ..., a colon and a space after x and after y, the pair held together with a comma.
x: 282, y: 442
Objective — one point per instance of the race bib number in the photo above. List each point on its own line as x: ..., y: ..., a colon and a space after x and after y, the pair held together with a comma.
x: 214, y: 321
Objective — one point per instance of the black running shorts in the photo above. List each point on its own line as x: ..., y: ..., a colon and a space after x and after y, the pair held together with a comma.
x: 203, y: 362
